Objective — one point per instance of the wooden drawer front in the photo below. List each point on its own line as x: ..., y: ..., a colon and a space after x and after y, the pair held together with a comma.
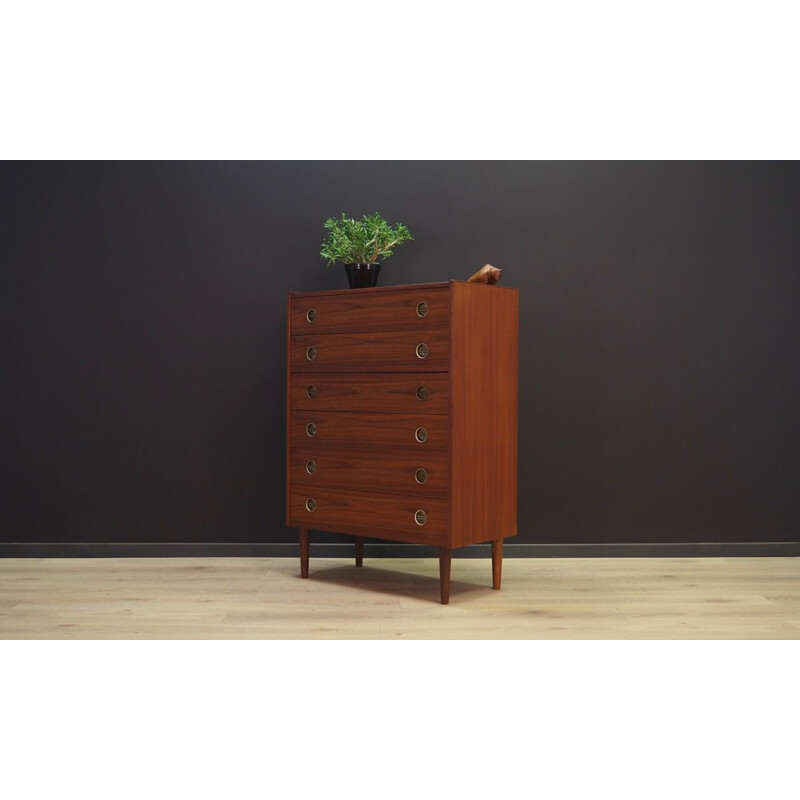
x: 343, y: 432
x: 403, y: 392
x: 391, y: 472
x: 371, y: 514
x: 395, y: 351
x: 351, y: 312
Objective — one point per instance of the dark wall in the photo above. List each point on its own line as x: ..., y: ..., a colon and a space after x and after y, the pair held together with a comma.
x: 143, y: 341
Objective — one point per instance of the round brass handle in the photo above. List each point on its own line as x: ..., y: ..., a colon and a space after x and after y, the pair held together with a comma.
x: 422, y: 393
x: 311, y: 391
x: 422, y: 350
x: 311, y: 504
x: 311, y: 353
x: 420, y: 517
x: 420, y: 434
x: 420, y: 476
x: 311, y: 467
x: 311, y: 315
x: 422, y: 309
x: 311, y: 429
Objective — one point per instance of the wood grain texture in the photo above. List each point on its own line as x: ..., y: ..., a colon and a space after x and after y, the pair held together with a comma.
x: 264, y: 598
x: 395, y: 392
x: 373, y: 351
x: 445, y: 563
x: 359, y: 548
x: 288, y: 398
x: 382, y: 516
x: 390, y: 472
x: 304, y: 551
x: 352, y: 452
x: 343, y: 432
x: 497, y: 562
x: 378, y: 310
x: 483, y: 399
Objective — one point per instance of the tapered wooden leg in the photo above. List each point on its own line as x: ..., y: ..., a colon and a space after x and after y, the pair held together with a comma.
x: 444, y: 574
x: 303, y: 552
x: 497, y: 562
x: 359, y: 551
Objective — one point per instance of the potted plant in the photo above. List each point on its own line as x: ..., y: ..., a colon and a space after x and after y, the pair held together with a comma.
x: 362, y: 245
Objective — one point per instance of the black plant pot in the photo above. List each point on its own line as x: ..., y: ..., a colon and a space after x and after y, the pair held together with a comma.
x: 362, y: 276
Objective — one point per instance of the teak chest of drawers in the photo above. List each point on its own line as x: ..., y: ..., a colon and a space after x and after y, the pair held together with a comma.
x: 402, y: 417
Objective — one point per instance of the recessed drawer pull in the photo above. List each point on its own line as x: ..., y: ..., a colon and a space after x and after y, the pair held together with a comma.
x: 420, y: 517
x: 311, y: 353
x: 422, y: 309
x: 311, y: 429
x: 422, y: 393
x: 422, y: 350
x: 420, y: 434
x: 311, y: 315
x: 311, y: 467
x: 311, y: 504
x: 311, y: 391
x: 420, y: 476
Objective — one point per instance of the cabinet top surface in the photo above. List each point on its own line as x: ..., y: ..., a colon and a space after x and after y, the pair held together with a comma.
x: 399, y: 287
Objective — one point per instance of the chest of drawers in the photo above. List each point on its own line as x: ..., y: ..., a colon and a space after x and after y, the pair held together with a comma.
x: 402, y: 417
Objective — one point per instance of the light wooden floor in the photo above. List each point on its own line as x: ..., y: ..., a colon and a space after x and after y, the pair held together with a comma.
x: 264, y: 598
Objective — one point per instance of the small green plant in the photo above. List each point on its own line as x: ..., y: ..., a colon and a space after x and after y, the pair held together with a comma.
x: 369, y: 240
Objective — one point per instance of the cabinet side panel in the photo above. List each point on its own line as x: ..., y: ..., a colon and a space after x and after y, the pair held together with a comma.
x: 288, y: 406
x: 484, y: 413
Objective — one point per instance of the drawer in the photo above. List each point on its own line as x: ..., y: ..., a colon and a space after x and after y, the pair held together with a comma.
x: 423, y: 474
x: 369, y: 514
x: 379, y: 434
x: 352, y: 312
x: 394, y: 351
x: 405, y: 392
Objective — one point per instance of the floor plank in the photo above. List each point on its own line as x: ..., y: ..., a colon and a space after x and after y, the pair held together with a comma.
x: 264, y: 598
